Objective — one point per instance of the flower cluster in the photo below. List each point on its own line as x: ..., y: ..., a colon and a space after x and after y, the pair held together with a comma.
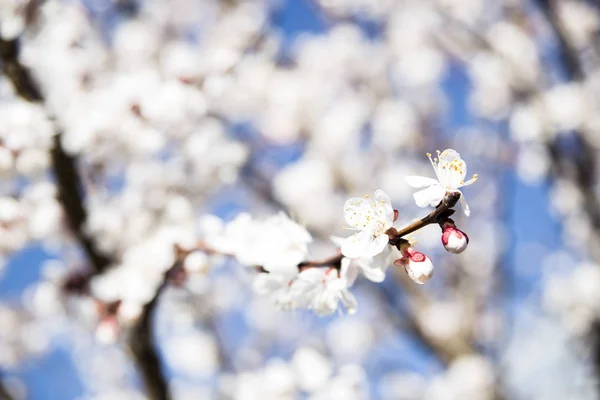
x: 278, y: 246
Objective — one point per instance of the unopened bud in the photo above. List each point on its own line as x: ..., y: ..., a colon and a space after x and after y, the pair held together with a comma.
x: 416, y: 264
x: 454, y: 240
x: 395, y: 215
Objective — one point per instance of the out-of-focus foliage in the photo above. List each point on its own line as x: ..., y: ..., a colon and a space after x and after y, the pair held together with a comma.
x: 178, y: 115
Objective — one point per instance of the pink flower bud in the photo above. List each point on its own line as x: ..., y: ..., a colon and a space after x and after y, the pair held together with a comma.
x: 454, y: 240
x: 416, y: 264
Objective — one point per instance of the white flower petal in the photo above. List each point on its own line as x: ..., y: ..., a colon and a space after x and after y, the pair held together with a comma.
x: 348, y: 271
x: 465, y: 206
x: 356, y: 245
x: 332, y: 302
x: 383, y: 205
x: 420, y: 272
x: 455, y: 174
x: 420, y: 181
x: 336, y: 284
x: 430, y: 196
x: 357, y: 212
x: 448, y: 156
x: 266, y: 283
x: 451, y: 169
x: 374, y: 274
x: 349, y: 301
x: 377, y: 245
x: 337, y: 240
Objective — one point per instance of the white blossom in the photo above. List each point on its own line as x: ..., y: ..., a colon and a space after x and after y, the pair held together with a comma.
x: 373, y: 268
x: 277, y: 288
x: 372, y: 217
x: 324, y: 289
x: 197, y: 261
x: 277, y: 243
x: 313, y: 369
x: 450, y: 171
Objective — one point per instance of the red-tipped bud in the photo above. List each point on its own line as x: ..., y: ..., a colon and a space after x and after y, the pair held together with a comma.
x: 416, y: 264
x: 454, y: 240
x: 395, y: 215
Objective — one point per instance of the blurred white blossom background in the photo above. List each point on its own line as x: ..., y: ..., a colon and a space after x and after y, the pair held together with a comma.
x: 153, y: 153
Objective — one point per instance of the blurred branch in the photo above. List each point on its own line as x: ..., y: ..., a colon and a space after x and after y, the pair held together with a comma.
x: 142, y: 343
x: 4, y: 392
x: 71, y: 196
x: 446, y: 351
x: 17, y: 73
x: 567, y: 51
x: 68, y: 180
x: 582, y: 169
